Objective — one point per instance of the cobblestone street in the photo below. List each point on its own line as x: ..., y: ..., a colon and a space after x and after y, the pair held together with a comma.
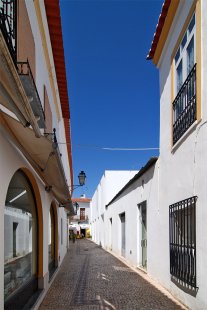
x: 91, y: 278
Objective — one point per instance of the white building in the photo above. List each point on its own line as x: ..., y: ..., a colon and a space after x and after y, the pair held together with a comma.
x: 80, y: 222
x: 111, y: 182
x: 130, y: 217
x: 35, y: 170
x: 179, y: 51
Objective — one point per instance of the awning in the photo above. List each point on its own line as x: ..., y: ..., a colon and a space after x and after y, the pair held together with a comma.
x: 84, y: 226
x: 12, y: 93
x: 43, y: 154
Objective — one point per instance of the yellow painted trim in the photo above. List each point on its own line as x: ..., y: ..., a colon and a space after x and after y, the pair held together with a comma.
x: 198, y: 60
x: 47, y: 58
x: 196, y: 7
x: 35, y: 188
x: 165, y: 30
x: 172, y: 74
x: 192, y: 10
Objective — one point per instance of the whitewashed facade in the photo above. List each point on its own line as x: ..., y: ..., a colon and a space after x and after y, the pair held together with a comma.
x: 80, y: 222
x: 130, y: 217
x: 34, y: 171
x: 182, y: 155
x: 110, y: 183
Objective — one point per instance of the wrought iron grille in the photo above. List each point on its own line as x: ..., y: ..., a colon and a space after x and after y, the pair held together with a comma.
x: 8, y: 24
x: 182, y: 228
x: 184, y: 106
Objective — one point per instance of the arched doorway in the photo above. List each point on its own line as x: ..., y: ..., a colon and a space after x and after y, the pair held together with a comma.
x: 52, y: 241
x: 20, y: 243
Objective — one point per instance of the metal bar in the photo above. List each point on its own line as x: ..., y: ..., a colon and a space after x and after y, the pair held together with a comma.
x: 8, y: 25
x: 182, y: 226
x: 195, y: 282
x: 184, y: 106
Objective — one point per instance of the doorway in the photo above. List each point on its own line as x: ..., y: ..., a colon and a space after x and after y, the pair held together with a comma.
x: 110, y: 234
x: 143, y: 234
x: 51, y: 243
x: 123, y: 234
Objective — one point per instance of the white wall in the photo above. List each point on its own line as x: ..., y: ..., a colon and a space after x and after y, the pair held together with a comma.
x: 183, y: 169
x: 110, y: 184
x: 143, y: 189
x: 43, y: 78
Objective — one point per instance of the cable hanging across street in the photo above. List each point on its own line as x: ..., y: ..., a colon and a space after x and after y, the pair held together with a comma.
x: 113, y: 148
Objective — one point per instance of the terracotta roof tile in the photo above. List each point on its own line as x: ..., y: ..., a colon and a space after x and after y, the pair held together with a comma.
x: 159, y: 27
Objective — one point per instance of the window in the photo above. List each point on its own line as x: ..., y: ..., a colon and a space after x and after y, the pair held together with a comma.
x: 184, y: 58
x: 184, y: 105
x: 182, y: 226
x: 61, y: 231
x: 82, y: 214
x: 51, y: 242
x: 20, y: 243
x: 8, y: 24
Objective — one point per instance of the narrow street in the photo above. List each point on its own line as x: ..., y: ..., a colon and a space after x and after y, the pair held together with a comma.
x: 91, y: 278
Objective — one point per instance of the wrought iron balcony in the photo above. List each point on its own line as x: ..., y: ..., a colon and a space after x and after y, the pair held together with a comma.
x: 8, y: 25
x: 182, y: 228
x: 184, y: 106
x: 28, y: 82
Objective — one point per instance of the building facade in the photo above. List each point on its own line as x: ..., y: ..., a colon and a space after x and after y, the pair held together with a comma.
x: 130, y: 216
x: 179, y: 53
x: 36, y: 171
x: 80, y: 222
x: 110, y: 183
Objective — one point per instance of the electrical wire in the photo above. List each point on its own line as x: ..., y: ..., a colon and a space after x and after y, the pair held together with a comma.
x: 112, y: 148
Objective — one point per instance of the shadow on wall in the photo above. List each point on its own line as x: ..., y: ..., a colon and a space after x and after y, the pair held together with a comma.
x: 185, y: 287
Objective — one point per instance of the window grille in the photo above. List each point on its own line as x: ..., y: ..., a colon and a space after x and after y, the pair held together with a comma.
x: 184, y: 106
x: 8, y: 24
x: 182, y: 228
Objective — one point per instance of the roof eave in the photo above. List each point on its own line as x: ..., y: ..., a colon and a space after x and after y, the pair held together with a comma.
x: 165, y: 20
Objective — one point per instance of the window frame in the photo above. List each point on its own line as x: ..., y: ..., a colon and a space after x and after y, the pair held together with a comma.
x: 195, y: 9
x: 182, y: 50
x: 182, y: 241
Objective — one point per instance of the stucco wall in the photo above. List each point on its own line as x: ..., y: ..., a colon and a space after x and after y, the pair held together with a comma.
x: 143, y: 189
x: 110, y: 184
x: 183, y: 168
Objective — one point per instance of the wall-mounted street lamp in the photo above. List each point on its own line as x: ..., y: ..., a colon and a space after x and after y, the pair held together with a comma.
x: 82, y: 180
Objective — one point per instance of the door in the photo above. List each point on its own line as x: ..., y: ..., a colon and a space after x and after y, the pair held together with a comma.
x: 143, y: 211
x: 123, y: 234
x: 110, y: 234
x: 82, y: 214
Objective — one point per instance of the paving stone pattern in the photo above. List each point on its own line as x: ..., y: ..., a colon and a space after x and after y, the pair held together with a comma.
x: 91, y: 278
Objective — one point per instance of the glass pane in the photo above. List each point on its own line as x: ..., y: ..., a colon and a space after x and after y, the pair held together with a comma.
x: 179, y: 76
x: 184, y: 42
x: 177, y: 56
x: 192, y: 24
x: 51, y: 240
x: 20, y: 261
x: 190, y: 55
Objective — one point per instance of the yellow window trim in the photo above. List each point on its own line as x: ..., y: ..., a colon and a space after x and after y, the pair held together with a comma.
x: 47, y: 58
x: 196, y: 7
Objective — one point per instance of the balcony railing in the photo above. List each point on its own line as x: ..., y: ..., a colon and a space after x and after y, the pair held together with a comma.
x: 8, y: 25
x: 182, y: 228
x: 28, y: 82
x: 184, y: 106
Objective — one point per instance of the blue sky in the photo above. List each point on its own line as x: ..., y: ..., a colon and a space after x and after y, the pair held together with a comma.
x: 113, y: 89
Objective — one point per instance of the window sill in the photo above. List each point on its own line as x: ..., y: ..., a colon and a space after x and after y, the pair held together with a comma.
x: 185, y: 135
